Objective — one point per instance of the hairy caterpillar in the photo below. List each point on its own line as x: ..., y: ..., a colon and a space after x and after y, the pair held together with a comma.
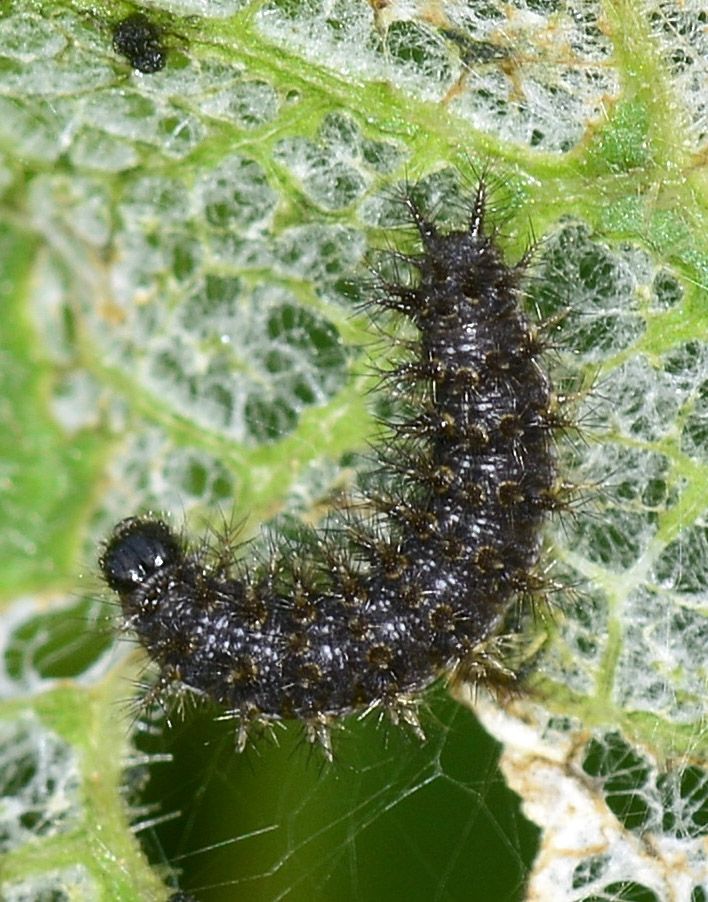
x: 140, y: 41
x: 418, y: 576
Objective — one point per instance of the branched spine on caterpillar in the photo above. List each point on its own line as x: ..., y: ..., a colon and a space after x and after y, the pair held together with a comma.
x: 370, y: 614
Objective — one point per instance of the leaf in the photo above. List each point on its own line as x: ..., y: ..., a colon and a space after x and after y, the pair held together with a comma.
x: 179, y: 257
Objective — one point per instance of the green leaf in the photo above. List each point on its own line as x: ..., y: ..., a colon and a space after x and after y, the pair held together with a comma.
x: 180, y: 256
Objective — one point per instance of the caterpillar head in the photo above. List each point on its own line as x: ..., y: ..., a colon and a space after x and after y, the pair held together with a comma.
x: 136, y: 551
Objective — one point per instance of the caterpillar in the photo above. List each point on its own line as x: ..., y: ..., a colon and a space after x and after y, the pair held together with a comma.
x: 140, y: 41
x: 415, y: 578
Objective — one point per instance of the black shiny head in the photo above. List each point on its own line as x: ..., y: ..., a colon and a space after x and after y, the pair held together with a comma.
x: 137, y: 549
x: 140, y: 41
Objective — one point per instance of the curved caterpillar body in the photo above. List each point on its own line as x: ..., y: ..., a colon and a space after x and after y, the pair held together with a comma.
x: 370, y: 613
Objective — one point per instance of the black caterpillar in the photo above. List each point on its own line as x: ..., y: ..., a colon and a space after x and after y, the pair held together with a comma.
x: 140, y: 41
x: 370, y: 612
